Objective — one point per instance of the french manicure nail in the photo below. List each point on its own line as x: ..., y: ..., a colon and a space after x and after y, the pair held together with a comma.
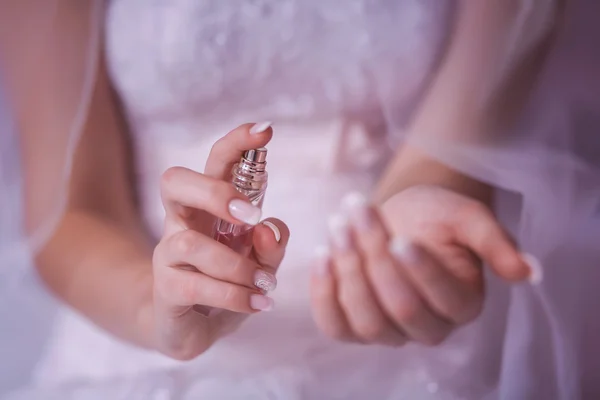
x: 261, y: 303
x: 321, y: 267
x: 244, y: 211
x: 339, y: 231
x: 264, y: 280
x: 404, y: 251
x: 260, y: 127
x: 536, y: 274
x: 274, y: 228
x: 357, y: 207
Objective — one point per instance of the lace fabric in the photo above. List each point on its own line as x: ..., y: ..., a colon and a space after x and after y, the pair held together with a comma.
x: 335, y: 76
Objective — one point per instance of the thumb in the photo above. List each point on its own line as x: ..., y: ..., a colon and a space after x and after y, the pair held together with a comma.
x: 270, y: 240
x: 478, y: 229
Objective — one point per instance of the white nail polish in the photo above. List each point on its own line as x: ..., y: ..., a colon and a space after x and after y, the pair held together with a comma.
x: 244, y: 211
x: 356, y: 206
x: 260, y: 127
x: 265, y: 281
x: 403, y: 250
x: 339, y: 231
x: 354, y: 200
x: 274, y: 228
x: 537, y: 272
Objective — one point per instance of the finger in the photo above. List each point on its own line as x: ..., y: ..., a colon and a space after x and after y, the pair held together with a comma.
x: 401, y: 302
x: 478, y: 229
x: 369, y: 230
x: 327, y: 313
x: 270, y: 240
x: 179, y: 287
x: 446, y: 295
x: 213, y: 259
x: 183, y: 190
x: 355, y: 296
x: 228, y: 150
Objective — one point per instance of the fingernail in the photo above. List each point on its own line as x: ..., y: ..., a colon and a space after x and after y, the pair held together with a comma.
x: 274, y: 228
x: 357, y: 207
x: 321, y: 267
x: 264, y: 280
x: 339, y: 231
x: 260, y: 127
x: 404, y: 251
x: 536, y: 274
x: 244, y: 211
x: 261, y: 303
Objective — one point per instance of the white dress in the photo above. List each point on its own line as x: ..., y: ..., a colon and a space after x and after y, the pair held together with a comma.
x: 187, y: 72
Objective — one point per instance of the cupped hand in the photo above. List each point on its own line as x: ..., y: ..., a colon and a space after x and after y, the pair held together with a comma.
x: 410, y: 270
x: 194, y: 274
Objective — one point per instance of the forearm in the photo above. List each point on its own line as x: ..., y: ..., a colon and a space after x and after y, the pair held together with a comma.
x: 104, y: 271
x: 477, y: 93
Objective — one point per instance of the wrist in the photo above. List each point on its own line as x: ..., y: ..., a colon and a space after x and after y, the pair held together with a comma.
x: 411, y: 167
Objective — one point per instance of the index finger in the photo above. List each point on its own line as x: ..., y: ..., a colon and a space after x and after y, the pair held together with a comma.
x: 228, y: 150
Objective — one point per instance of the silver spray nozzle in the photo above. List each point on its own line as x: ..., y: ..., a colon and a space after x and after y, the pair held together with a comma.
x: 256, y: 155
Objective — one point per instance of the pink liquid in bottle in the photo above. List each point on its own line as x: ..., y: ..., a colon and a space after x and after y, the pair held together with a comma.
x: 239, y: 240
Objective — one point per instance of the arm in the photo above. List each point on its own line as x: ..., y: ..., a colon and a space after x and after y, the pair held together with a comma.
x: 479, y: 89
x: 98, y: 259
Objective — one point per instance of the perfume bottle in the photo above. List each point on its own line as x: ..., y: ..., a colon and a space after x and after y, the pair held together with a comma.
x: 249, y: 176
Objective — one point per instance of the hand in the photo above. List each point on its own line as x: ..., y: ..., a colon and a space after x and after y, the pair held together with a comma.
x: 192, y: 272
x: 411, y: 270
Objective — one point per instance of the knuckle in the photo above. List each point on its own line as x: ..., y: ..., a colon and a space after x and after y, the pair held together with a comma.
x: 185, y: 243
x: 470, y: 208
x: 170, y: 175
x: 157, y: 254
x: 406, y: 312
x: 370, y: 332
x: 219, y: 144
x: 234, y: 298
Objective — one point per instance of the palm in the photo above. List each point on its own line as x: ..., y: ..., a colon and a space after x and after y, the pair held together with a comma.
x: 425, y: 215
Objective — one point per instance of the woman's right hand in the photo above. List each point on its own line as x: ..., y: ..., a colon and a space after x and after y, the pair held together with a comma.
x: 194, y: 273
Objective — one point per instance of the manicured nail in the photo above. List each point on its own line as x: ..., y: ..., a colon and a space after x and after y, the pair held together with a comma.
x: 404, y: 251
x: 261, y: 303
x: 274, y: 228
x: 357, y: 207
x: 244, y: 211
x: 322, y: 267
x: 536, y: 274
x: 264, y: 280
x: 339, y: 231
x: 260, y: 127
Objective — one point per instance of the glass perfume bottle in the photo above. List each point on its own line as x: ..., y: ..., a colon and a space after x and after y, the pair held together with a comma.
x: 249, y: 176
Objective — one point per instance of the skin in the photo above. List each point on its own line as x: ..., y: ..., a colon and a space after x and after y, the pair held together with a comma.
x: 430, y: 281
x: 145, y: 293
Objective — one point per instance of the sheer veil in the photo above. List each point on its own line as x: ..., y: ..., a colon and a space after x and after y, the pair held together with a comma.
x: 548, y: 160
x: 547, y: 166
x: 48, y: 56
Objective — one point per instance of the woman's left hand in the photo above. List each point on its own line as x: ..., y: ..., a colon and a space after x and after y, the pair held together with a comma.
x: 410, y: 270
